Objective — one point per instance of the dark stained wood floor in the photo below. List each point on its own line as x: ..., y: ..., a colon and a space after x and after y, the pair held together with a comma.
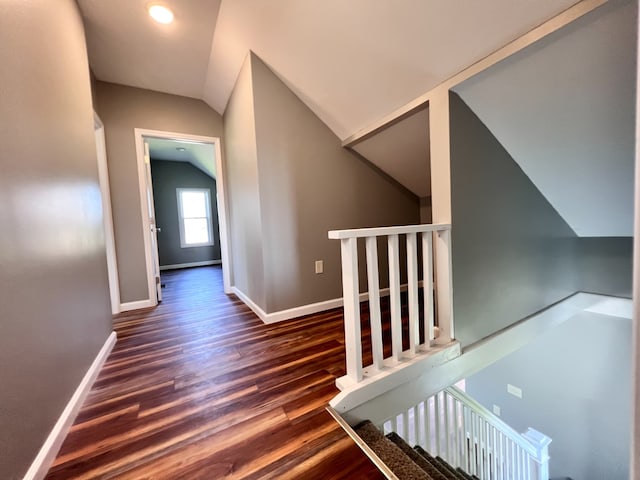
x: 200, y: 388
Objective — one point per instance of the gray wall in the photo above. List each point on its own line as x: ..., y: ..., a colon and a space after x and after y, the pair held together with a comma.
x: 576, y: 383
x: 512, y: 253
x: 309, y: 185
x: 167, y: 176
x: 289, y: 187
x: 245, y: 220
x: 605, y: 264
x: 122, y: 109
x: 54, y: 295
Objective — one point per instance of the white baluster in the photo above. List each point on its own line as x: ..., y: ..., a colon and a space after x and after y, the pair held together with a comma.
x: 394, y: 297
x: 374, y: 301
x: 427, y: 275
x: 444, y: 286
x: 412, y: 287
x: 351, y: 294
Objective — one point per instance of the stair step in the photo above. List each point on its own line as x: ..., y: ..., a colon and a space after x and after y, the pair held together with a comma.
x: 442, y: 466
x: 421, y: 461
x: 397, y: 461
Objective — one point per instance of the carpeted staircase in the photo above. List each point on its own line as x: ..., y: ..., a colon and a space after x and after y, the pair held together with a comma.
x: 405, y: 462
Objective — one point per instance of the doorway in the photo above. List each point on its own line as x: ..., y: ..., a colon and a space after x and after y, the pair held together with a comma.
x: 195, y: 230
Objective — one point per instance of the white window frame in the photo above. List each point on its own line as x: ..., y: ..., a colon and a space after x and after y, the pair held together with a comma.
x: 207, y: 194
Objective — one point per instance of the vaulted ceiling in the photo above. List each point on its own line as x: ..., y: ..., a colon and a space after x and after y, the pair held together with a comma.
x: 562, y: 112
x: 352, y: 62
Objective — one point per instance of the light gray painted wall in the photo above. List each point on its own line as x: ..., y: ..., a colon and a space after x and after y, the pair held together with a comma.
x: 54, y: 294
x: 167, y: 176
x: 605, y: 264
x: 309, y: 185
x: 576, y: 382
x: 426, y: 210
x: 122, y: 109
x: 564, y: 109
x: 245, y: 220
x: 512, y: 253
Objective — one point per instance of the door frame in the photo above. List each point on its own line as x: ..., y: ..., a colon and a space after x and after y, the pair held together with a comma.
x: 221, y: 200
x: 107, y: 215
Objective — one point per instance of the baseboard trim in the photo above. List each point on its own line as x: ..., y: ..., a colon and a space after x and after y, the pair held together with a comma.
x: 204, y: 263
x: 137, y: 305
x: 52, y: 444
x: 282, y: 315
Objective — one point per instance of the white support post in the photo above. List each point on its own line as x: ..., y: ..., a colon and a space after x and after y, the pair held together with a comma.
x: 444, y: 287
x: 374, y: 301
x: 394, y: 298
x: 351, y: 294
x: 540, y: 464
x: 427, y: 281
x: 412, y: 287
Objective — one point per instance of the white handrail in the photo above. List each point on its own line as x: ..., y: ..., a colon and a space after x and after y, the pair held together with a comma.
x: 491, y: 419
x: 383, y: 231
x: 452, y: 425
x: 435, y: 246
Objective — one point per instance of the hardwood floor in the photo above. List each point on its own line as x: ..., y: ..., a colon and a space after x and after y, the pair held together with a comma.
x: 200, y: 388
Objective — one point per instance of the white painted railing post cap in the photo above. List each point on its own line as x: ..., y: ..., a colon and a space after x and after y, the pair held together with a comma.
x: 537, y: 439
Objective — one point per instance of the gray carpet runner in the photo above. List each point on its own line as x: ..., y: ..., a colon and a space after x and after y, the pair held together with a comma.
x: 405, y: 462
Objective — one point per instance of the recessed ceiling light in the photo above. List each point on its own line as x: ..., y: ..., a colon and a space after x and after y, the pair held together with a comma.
x: 161, y: 14
x: 181, y: 149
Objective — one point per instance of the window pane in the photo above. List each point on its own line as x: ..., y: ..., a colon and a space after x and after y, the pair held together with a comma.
x: 194, y: 204
x: 196, y: 230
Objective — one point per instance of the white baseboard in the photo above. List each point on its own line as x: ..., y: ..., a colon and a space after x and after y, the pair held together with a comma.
x: 302, y: 310
x: 192, y: 264
x: 126, y: 307
x: 52, y: 444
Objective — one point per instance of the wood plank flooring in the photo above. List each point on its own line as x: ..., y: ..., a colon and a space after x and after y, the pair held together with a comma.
x: 200, y: 388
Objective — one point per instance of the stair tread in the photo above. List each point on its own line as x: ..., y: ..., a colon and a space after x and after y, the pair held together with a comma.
x: 397, y: 461
x: 421, y: 461
x: 442, y: 466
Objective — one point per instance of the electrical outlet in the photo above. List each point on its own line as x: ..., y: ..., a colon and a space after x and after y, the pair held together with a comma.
x: 319, y: 266
x: 515, y: 391
x: 496, y: 410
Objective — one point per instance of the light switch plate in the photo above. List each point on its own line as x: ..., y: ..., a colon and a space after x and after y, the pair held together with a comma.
x: 319, y: 266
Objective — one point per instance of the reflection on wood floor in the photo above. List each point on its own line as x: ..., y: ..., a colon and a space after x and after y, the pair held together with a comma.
x: 200, y: 388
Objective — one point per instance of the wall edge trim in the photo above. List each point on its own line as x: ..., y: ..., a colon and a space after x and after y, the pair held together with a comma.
x: 191, y: 264
x: 136, y: 305
x: 302, y: 310
x: 47, y: 454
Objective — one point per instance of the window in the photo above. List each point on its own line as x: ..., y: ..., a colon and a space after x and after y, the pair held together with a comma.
x: 194, y: 212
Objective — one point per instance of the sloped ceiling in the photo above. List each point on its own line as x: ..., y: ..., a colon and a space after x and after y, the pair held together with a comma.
x: 564, y: 109
x: 352, y: 62
x: 402, y: 151
x: 200, y: 155
x: 126, y: 46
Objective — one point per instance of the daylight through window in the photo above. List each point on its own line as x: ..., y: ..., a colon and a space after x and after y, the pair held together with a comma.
x: 194, y: 210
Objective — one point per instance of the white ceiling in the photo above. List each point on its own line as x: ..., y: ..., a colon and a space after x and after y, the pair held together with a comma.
x: 200, y: 155
x: 402, y: 151
x: 565, y: 110
x: 351, y: 61
x: 126, y: 46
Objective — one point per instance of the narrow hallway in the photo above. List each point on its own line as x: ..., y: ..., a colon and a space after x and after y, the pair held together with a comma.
x: 199, y: 387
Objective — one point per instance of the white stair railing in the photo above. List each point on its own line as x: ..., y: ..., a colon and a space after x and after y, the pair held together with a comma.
x: 432, y: 238
x: 458, y: 429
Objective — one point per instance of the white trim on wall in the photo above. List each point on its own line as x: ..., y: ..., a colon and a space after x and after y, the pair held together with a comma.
x: 204, y: 263
x: 302, y: 310
x: 107, y: 215
x: 137, y: 305
x: 221, y: 199
x: 52, y: 444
